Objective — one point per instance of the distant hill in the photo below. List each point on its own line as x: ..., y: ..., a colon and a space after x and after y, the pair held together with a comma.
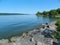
x: 12, y: 14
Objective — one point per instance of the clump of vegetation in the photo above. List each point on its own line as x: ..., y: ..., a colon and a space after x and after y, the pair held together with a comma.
x: 57, y: 34
x: 58, y: 25
x: 58, y: 22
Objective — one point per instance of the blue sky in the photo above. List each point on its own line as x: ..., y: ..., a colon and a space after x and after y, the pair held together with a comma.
x: 28, y: 6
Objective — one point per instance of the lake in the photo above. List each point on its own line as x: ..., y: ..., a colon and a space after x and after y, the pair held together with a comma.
x: 12, y: 25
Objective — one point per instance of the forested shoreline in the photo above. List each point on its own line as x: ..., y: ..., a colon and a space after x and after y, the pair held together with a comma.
x: 51, y: 13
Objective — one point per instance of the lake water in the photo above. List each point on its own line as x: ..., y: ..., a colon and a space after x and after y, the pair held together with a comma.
x: 11, y: 25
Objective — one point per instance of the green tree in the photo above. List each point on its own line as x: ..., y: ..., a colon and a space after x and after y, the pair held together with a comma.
x: 38, y: 13
x: 53, y: 13
x: 58, y: 10
x: 45, y: 13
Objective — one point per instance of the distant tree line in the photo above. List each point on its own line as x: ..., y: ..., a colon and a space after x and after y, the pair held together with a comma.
x: 12, y: 14
x: 51, y: 13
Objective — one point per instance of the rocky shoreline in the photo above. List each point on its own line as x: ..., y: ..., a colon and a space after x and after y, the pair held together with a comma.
x: 35, y: 37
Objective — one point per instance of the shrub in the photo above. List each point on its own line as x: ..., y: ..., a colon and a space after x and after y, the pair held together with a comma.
x: 58, y: 23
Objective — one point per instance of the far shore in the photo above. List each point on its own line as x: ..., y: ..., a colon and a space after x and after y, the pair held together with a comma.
x: 26, y: 35
x: 13, y: 14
